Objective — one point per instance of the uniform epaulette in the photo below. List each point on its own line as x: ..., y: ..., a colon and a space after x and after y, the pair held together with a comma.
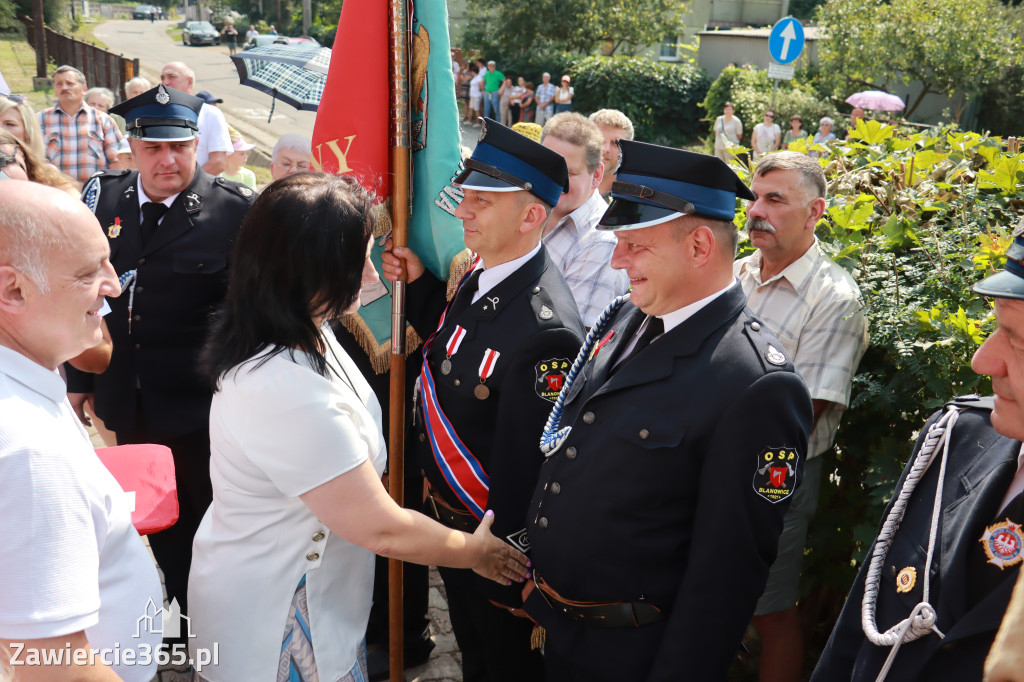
x: 979, y: 402
x: 111, y: 173
x: 544, y: 309
x: 773, y: 358
x: 236, y: 186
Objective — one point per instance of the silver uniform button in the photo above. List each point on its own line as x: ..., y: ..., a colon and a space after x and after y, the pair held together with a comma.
x: 318, y: 536
x: 644, y: 434
x: 536, y: 290
x: 543, y: 522
x: 313, y: 556
x: 755, y: 326
x: 555, y: 488
x: 570, y: 453
x: 589, y: 417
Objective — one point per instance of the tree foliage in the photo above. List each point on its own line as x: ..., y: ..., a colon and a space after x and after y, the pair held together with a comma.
x: 512, y: 28
x: 949, y: 46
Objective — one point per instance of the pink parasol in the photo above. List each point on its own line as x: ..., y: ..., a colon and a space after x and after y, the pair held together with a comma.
x: 876, y: 100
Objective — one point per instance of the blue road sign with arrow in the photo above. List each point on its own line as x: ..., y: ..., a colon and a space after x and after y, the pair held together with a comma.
x: 786, y: 41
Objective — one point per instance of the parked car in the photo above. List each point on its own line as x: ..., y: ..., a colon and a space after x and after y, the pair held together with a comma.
x: 263, y: 41
x: 199, y: 33
x: 145, y: 12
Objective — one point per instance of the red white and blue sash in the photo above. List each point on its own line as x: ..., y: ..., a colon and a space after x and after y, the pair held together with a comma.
x: 460, y: 468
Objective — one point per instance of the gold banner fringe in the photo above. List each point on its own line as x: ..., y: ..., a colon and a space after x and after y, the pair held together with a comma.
x: 380, y: 353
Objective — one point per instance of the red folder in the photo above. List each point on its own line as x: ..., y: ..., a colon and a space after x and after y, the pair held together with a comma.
x: 145, y: 473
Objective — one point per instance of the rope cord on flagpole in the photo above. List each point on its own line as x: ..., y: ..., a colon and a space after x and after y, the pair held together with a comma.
x: 552, y: 437
x: 922, y: 618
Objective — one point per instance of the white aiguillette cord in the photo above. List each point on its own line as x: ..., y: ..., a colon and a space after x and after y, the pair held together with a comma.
x: 921, y: 620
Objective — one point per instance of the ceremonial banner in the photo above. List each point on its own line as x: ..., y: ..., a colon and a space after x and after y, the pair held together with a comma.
x: 351, y: 136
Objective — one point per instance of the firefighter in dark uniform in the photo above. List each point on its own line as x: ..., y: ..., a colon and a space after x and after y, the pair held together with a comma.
x: 674, y: 449
x: 491, y: 373
x: 938, y: 580
x: 171, y: 229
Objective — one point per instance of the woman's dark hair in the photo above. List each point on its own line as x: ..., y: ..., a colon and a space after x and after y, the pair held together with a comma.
x: 299, y: 255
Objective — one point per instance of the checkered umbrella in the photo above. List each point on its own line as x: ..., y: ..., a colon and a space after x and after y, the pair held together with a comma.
x: 294, y: 74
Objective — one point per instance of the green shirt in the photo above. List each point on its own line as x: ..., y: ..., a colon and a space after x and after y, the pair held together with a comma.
x: 493, y: 80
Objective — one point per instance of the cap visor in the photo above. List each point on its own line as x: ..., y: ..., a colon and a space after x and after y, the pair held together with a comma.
x: 1001, y: 285
x: 629, y: 215
x: 163, y: 134
x: 482, y: 182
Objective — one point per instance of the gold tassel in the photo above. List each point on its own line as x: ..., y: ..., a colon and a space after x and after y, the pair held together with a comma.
x: 537, y: 637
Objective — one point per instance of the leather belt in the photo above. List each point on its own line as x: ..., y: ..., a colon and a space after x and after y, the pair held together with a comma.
x: 619, y: 614
x: 459, y: 519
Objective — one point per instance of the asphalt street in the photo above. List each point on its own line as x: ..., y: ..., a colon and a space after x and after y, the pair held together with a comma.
x: 246, y: 108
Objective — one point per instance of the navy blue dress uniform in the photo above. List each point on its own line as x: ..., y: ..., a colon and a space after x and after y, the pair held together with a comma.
x: 530, y: 319
x: 172, y: 280
x: 977, y: 554
x: 657, y: 515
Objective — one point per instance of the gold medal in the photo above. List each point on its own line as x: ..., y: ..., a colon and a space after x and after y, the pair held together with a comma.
x: 906, y: 579
x: 481, y: 391
x: 446, y: 366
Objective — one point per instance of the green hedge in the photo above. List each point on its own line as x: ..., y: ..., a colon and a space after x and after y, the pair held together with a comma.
x: 660, y: 98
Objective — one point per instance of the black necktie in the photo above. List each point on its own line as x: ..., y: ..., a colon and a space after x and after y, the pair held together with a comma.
x: 655, y: 327
x: 152, y: 212
x: 464, y: 298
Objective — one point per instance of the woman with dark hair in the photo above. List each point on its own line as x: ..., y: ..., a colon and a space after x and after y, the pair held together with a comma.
x: 282, y: 571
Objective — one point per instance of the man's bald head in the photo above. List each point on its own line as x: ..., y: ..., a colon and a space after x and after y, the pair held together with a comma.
x: 27, y: 235
x: 179, y: 76
x: 55, y: 272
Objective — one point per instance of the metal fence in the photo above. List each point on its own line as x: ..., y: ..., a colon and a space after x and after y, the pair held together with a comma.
x: 101, y: 67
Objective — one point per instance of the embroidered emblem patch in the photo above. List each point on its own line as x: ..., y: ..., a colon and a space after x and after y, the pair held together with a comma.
x: 520, y: 540
x: 1003, y: 544
x: 114, y: 231
x: 599, y: 345
x: 192, y: 201
x: 774, y: 355
x: 906, y: 579
x: 775, y: 476
x: 551, y: 377
x: 545, y: 313
x: 244, y: 191
x: 91, y: 193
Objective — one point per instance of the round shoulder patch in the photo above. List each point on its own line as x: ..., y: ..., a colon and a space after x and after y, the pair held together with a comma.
x: 775, y: 473
x: 551, y: 376
x: 244, y: 191
x: 774, y: 355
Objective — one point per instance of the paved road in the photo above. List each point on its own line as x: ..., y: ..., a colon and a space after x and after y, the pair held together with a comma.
x: 246, y: 108
x: 214, y: 72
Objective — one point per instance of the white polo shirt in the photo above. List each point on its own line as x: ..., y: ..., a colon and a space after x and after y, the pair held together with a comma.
x: 214, y: 135
x: 71, y: 558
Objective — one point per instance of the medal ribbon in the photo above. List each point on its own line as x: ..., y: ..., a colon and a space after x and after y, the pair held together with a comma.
x: 490, y: 359
x: 459, y: 467
x: 455, y: 341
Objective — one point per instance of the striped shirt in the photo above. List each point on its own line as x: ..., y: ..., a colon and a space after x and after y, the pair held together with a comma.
x: 815, y: 309
x: 583, y: 255
x: 79, y: 144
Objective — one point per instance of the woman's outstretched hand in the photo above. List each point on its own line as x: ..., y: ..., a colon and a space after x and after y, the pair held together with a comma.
x: 500, y: 561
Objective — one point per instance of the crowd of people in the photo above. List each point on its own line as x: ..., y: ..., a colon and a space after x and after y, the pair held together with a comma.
x: 487, y: 92
x: 618, y: 425
x: 767, y: 136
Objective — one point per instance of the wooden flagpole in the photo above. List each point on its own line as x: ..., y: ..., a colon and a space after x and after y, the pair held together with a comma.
x: 400, y: 198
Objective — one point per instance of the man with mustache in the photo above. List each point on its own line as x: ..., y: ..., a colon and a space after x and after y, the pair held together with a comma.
x: 815, y: 309
x: 79, y: 139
